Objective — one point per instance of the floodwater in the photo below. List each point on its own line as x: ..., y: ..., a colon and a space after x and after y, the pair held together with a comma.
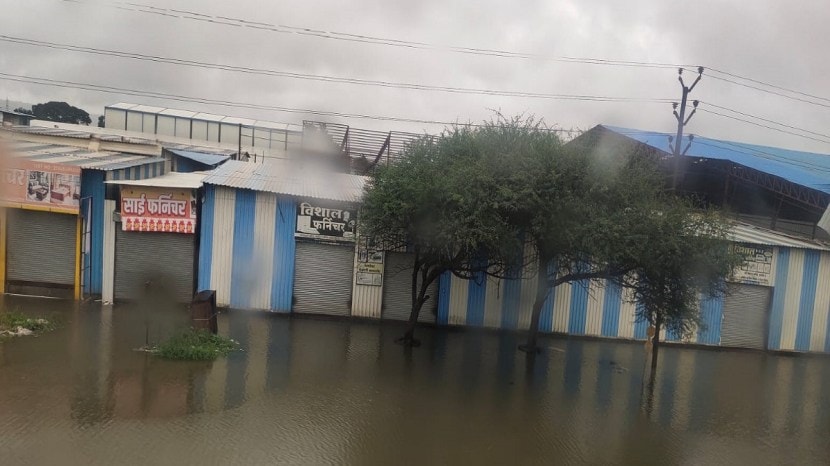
x: 308, y: 391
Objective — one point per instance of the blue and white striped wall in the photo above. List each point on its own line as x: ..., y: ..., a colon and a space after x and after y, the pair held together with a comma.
x: 798, y: 315
x: 592, y: 308
x: 800, y: 301
x: 247, y: 248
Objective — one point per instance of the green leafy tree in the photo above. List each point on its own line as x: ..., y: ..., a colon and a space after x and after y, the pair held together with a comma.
x: 688, y: 254
x: 101, y: 121
x: 60, y: 112
x: 442, y: 203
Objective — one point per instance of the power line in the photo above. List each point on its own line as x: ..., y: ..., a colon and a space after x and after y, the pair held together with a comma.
x: 767, y: 120
x: 361, y: 38
x: 768, y: 91
x: 313, y: 77
x: 763, y: 125
x: 774, y: 86
x: 224, y: 103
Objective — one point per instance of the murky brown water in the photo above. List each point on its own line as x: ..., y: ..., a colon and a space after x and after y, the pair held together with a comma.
x: 322, y: 392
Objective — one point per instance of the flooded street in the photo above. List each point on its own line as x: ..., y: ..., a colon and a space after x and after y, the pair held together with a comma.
x: 308, y: 391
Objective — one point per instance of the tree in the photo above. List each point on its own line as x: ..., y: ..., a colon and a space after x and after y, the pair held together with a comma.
x: 101, y: 121
x: 24, y: 111
x: 573, y: 207
x: 688, y: 254
x: 60, y: 112
x: 443, y: 204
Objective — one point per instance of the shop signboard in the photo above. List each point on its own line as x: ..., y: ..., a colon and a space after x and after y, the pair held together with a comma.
x: 757, y: 268
x: 318, y: 220
x: 32, y: 183
x: 162, y: 210
x: 369, y: 263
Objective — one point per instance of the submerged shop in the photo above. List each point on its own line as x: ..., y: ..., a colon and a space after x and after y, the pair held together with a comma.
x: 779, y: 300
x: 283, y: 237
x: 53, y: 195
x: 151, y: 241
x: 280, y: 237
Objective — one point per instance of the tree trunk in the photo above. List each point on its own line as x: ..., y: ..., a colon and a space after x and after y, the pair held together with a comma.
x: 655, y: 342
x: 541, y: 296
x: 419, y: 297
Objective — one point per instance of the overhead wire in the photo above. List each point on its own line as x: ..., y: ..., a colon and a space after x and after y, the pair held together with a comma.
x: 314, y: 77
x: 227, y: 103
x: 363, y: 38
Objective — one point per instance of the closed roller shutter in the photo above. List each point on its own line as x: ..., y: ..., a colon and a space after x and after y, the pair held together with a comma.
x: 163, y: 259
x: 745, y: 316
x: 41, y: 247
x: 323, y: 278
x: 397, y: 289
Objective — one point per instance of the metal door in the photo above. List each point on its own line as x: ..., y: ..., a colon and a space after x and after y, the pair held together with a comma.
x: 41, y: 247
x: 161, y: 263
x: 745, y: 316
x: 397, y: 289
x: 323, y: 278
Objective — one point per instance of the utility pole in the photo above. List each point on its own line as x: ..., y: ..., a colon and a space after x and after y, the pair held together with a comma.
x: 682, y: 121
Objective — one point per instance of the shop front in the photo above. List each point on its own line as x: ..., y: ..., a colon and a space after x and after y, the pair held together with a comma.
x: 40, y: 228
x: 155, y: 240
x: 324, y: 263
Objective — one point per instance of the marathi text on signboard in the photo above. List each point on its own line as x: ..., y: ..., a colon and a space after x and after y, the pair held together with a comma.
x: 325, y: 221
x: 369, y: 264
x: 152, y: 209
x: 41, y: 184
x: 757, y: 266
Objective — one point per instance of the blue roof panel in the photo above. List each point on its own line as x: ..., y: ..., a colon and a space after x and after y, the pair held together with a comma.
x: 201, y: 157
x: 807, y: 169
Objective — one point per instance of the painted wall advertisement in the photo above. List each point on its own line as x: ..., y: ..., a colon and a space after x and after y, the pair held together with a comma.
x: 314, y: 219
x: 164, y: 210
x: 758, y: 266
x: 369, y: 264
x: 33, y: 183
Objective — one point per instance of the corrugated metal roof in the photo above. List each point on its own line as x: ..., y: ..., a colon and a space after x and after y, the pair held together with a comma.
x: 122, y: 106
x: 746, y: 233
x: 78, y: 156
x: 46, y: 128
x: 169, y: 180
x: 201, y: 157
x: 178, y: 113
x: 290, y: 178
x: 807, y: 169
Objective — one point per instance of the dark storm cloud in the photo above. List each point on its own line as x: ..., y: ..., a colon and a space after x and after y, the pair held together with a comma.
x: 766, y: 40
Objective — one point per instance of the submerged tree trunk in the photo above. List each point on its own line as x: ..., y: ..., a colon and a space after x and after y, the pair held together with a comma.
x: 541, y: 296
x: 655, y: 342
x: 419, y: 297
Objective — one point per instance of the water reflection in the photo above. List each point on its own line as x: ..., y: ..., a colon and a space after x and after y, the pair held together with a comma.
x: 317, y: 391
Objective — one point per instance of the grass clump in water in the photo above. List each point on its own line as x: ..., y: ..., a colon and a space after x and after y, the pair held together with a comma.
x: 18, y: 324
x: 195, y: 345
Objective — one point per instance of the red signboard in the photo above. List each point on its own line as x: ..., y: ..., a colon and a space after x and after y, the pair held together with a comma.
x: 162, y: 210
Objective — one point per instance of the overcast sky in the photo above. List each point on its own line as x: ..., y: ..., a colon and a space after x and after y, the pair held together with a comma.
x: 767, y: 40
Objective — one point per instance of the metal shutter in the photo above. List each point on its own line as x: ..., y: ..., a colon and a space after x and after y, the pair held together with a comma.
x: 323, y: 278
x: 397, y: 289
x: 164, y: 259
x: 41, y: 247
x: 745, y: 312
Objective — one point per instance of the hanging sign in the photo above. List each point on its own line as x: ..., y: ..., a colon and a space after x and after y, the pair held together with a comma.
x: 42, y: 184
x: 162, y: 210
x: 314, y: 219
x: 757, y: 268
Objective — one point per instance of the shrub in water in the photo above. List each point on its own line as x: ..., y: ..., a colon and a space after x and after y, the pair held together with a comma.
x: 195, y: 345
x: 11, y: 322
